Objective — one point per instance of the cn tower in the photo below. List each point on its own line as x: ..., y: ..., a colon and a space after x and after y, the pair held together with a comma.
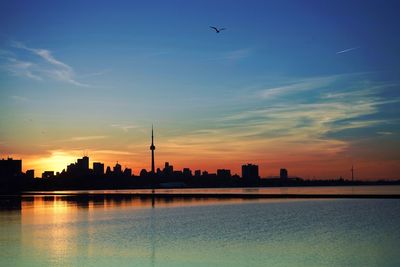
x: 152, y: 148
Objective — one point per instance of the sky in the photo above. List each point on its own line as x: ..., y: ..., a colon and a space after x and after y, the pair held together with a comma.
x: 311, y: 86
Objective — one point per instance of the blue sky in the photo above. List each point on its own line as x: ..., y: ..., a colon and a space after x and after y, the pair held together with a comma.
x: 289, y: 83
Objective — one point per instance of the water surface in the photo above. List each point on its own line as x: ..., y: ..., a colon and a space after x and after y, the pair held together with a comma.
x: 133, y: 231
x: 332, y: 190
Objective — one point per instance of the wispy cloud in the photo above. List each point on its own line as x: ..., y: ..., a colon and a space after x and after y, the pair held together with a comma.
x: 233, y: 55
x: 86, y: 138
x: 310, y: 123
x: 45, y: 66
x: 98, y: 73
x: 112, y: 152
x: 385, y: 133
x: 296, y: 86
x: 18, y: 98
x: 124, y: 127
x: 82, y: 138
x: 238, y: 54
x: 347, y: 50
x: 21, y: 68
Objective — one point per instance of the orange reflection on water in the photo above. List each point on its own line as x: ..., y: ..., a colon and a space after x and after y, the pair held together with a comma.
x: 50, y: 215
x: 56, y: 208
x: 54, y: 223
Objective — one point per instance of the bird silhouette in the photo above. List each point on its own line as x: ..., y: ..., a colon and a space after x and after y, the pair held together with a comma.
x: 216, y: 29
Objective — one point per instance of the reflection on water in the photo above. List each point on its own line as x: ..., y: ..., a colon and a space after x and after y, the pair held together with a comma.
x: 334, y: 190
x: 58, y: 203
x: 128, y: 230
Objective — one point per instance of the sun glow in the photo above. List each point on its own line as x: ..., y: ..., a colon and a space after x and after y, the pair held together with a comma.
x: 57, y: 161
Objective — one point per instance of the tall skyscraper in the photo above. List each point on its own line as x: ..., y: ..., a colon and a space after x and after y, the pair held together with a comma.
x: 152, y: 148
x: 10, y: 167
x: 98, y: 168
x: 83, y: 163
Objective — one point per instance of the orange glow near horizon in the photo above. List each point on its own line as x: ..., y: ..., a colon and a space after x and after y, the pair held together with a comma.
x: 308, y: 166
x: 56, y: 161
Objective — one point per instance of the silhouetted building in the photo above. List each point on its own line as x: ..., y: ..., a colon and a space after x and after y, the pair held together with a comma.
x: 117, y: 170
x: 143, y: 173
x: 224, y: 173
x: 80, y: 168
x: 10, y: 175
x: 236, y: 177
x: 128, y: 172
x: 250, y: 172
x: 10, y: 167
x: 71, y: 168
x: 152, y: 148
x: 168, y: 169
x: 30, y: 174
x: 98, y: 168
x: 283, y: 174
x: 178, y: 173
x: 47, y: 174
x: 187, y: 172
x: 108, y: 171
x: 83, y: 163
x: 197, y: 173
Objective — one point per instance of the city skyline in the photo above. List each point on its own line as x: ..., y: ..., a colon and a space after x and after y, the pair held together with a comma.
x: 82, y: 167
x: 98, y: 169
x: 316, y: 93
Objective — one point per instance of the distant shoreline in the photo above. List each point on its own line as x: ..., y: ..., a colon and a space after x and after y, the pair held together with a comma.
x: 219, y: 195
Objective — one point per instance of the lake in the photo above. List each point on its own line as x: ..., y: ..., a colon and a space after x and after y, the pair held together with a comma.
x: 330, y: 190
x: 137, y: 231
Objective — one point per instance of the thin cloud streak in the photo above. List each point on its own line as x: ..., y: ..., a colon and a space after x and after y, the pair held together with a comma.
x: 55, y: 69
x: 385, y: 133
x: 297, y: 86
x: 86, y: 138
x: 43, y: 53
x: 112, y: 152
x: 347, y: 50
x: 124, y: 127
x: 308, y: 128
x: 238, y: 54
x: 18, y: 98
x: 21, y: 68
x: 233, y: 55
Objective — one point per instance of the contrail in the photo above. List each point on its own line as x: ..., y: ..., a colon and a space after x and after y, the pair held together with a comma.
x: 347, y: 50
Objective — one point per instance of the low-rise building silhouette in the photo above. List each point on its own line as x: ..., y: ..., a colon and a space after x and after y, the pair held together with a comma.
x: 224, y: 173
x: 250, y: 172
x: 30, y: 174
x: 168, y: 169
x: 187, y: 172
x: 48, y: 174
x: 283, y: 174
x: 127, y: 172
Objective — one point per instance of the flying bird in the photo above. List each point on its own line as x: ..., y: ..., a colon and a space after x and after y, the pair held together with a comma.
x: 216, y: 29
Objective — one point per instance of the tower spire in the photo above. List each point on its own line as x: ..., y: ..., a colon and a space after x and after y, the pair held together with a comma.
x: 152, y: 148
x: 352, y: 173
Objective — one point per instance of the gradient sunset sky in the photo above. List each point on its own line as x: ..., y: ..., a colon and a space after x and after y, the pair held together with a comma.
x: 312, y: 86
